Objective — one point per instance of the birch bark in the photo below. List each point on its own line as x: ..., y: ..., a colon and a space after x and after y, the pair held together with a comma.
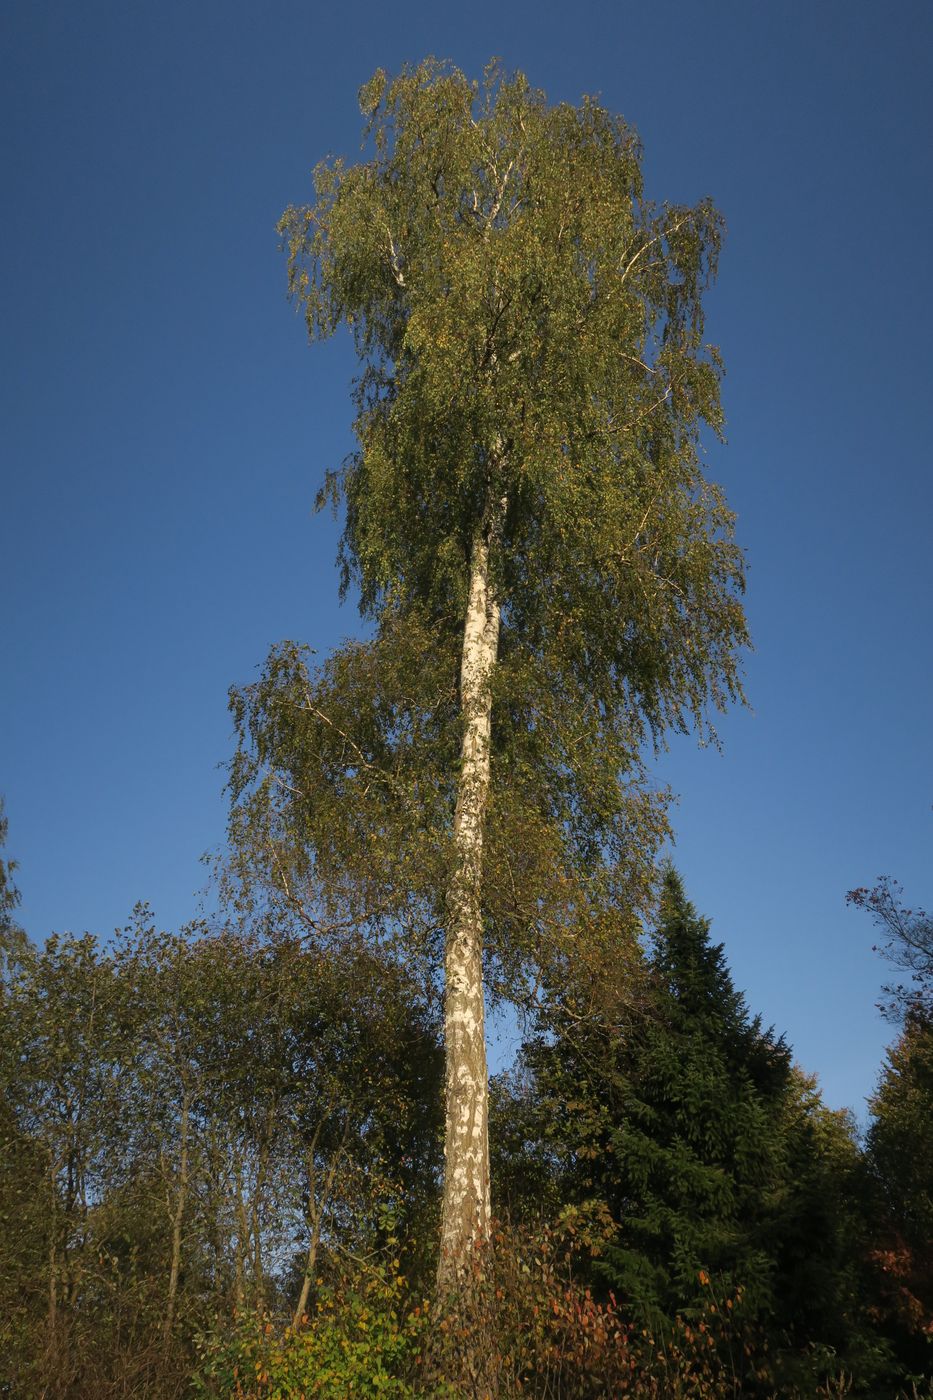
x: 465, y: 1212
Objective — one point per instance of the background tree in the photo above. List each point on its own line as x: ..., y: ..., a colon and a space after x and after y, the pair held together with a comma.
x: 900, y: 1161
x: 816, y: 1235
x: 900, y: 1138
x: 673, y: 1123
x: 186, y: 1124
x: 12, y: 937
x: 681, y: 1125
x: 67, y: 1036
x: 908, y: 944
x: 550, y: 576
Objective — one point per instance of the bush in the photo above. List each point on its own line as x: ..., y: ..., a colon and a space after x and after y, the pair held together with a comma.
x: 361, y: 1340
x: 523, y: 1326
x: 529, y: 1328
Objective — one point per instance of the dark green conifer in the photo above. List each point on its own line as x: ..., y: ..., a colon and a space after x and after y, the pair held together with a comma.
x: 681, y: 1119
x: 695, y: 1154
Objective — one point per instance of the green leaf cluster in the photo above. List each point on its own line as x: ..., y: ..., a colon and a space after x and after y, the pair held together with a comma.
x: 363, y: 1339
x: 533, y: 367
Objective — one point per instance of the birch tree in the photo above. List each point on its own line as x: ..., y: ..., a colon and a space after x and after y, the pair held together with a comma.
x: 551, y: 579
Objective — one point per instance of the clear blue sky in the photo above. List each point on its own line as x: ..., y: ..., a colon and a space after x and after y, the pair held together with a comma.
x: 164, y: 427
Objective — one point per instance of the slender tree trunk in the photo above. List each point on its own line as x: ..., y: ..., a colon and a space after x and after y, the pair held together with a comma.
x: 262, y: 1167
x: 52, y: 1312
x: 53, y: 1292
x: 242, y: 1234
x: 177, y: 1219
x: 315, y: 1214
x: 52, y: 1309
x: 256, y: 1227
x: 465, y: 1214
x: 301, y: 1307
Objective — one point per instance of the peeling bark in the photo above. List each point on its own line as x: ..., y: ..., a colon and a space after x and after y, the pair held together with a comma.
x: 465, y: 1215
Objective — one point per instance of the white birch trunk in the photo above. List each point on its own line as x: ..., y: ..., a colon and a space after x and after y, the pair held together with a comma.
x: 465, y: 1216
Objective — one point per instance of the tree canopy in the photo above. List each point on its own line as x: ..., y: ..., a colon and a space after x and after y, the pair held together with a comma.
x: 533, y: 368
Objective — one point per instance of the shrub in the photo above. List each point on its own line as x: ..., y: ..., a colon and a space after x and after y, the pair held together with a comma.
x: 361, y: 1340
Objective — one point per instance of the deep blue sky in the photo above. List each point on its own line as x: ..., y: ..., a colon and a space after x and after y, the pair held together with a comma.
x: 165, y: 427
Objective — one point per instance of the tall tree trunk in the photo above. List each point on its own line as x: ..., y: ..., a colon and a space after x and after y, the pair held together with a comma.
x: 262, y: 1166
x: 465, y: 1214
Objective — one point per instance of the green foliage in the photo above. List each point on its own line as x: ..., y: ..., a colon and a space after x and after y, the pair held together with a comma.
x: 674, y: 1124
x: 899, y: 1178
x: 182, y: 1117
x: 66, y: 1036
x: 900, y: 1140
x: 815, y: 1231
x: 900, y: 1159
x: 277, y: 1050
x: 533, y: 370
x: 528, y: 1328
x: 12, y: 939
x: 540, y: 1331
x: 528, y: 323
x: 362, y: 1339
x: 341, y: 788
x: 682, y: 1119
x: 9, y: 894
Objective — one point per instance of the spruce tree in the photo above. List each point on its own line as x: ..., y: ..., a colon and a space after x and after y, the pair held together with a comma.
x: 900, y: 1161
x: 699, y: 1142
x: 672, y: 1122
x: 677, y: 1122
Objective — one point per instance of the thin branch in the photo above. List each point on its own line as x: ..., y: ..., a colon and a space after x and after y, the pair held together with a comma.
x: 395, y: 259
x: 497, y: 202
x: 634, y: 360
x: 650, y: 409
x: 659, y: 237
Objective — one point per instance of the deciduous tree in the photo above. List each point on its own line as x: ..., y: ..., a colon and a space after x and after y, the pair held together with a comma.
x: 550, y: 576
x: 908, y: 945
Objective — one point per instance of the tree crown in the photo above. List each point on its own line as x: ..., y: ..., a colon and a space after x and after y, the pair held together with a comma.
x: 533, y: 378
x: 530, y: 330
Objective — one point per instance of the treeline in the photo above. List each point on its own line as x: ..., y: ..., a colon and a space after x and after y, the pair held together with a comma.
x: 193, y: 1126
x: 221, y: 1162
